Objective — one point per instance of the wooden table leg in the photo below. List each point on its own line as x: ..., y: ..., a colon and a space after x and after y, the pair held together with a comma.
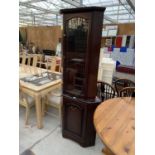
x: 106, y: 151
x: 39, y: 112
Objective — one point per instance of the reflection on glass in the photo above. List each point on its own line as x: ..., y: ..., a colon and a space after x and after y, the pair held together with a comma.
x: 77, y: 30
x: 76, y: 44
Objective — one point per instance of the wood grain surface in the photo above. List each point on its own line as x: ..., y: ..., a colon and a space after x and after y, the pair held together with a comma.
x: 114, y: 121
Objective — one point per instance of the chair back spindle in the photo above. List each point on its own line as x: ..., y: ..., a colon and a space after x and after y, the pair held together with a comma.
x: 123, y: 83
x: 35, y: 58
x: 105, y: 91
x: 52, y: 62
x: 23, y: 59
x: 127, y: 92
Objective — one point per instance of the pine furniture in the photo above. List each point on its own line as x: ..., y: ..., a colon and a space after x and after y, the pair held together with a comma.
x: 114, y: 120
x: 37, y: 92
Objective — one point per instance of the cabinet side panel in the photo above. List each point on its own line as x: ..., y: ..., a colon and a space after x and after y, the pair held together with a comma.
x: 94, y: 50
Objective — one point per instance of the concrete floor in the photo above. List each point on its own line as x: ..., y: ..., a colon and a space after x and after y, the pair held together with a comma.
x: 49, y: 140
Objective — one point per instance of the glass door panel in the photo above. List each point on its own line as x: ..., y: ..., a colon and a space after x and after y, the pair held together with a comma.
x: 76, y: 46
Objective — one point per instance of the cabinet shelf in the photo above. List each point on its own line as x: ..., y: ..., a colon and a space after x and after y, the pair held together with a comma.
x: 77, y: 85
x: 79, y: 78
x: 75, y: 92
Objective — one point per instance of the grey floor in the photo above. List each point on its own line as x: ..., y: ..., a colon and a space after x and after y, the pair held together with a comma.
x: 49, y: 140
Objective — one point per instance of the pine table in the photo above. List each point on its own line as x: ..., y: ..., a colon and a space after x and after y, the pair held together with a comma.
x: 114, y: 121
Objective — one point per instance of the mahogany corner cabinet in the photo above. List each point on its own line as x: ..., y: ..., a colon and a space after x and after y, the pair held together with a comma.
x: 82, y: 29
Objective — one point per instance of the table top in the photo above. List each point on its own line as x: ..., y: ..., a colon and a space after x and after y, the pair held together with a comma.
x: 114, y: 121
x: 29, y: 71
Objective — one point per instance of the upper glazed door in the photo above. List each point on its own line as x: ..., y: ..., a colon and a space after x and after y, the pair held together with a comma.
x: 76, y: 39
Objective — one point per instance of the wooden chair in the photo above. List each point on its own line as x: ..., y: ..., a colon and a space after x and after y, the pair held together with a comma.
x: 31, y: 63
x: 32, y: 60
x: 122, y: 83
x: 27, y: 102
x: 35, y: 58
x: 105, y: 90
x: 49, y: 63
x: 59, y: 64
x: 40, y: 61
x: 53, y: 99
x: 52, y: 63
x: 23, y: 59
x: 20, y: 57
x: 127, y: 92
x: 40, y: 57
